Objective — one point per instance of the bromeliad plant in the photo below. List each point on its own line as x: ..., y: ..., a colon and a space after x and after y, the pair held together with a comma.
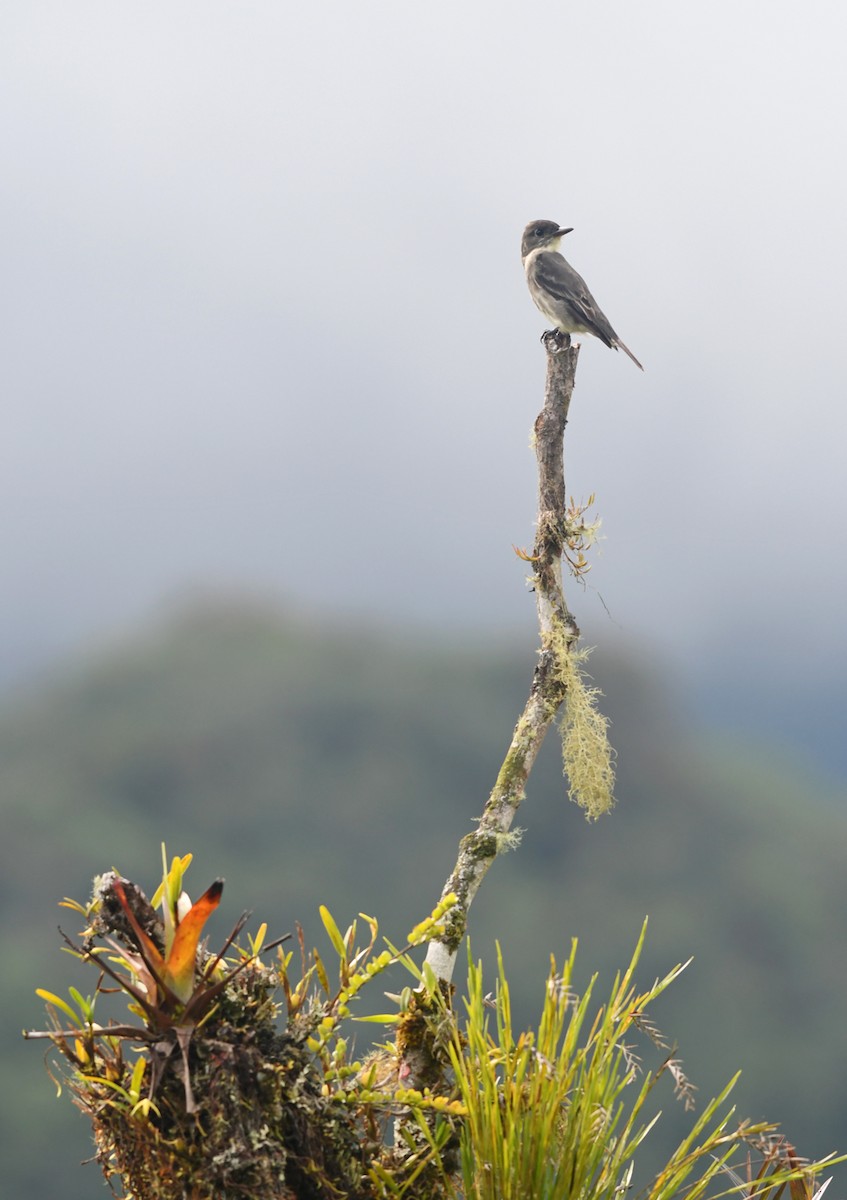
x: 156, y: 964
x: 244, y: 1108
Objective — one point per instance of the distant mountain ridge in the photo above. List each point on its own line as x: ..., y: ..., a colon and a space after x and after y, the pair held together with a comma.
x: 316, y: 765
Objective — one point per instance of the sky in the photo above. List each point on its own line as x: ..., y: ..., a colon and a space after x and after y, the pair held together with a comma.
x: 265, y: 324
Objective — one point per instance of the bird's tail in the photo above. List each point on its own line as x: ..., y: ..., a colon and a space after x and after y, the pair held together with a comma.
x: 620, y: 346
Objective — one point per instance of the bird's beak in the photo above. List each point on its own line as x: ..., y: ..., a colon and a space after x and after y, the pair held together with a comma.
x: 562, y: 232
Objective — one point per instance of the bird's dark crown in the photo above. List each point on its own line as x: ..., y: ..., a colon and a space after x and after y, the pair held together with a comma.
x: 540, y: 233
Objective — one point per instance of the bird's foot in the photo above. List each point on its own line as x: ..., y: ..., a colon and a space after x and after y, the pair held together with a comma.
x: 554, y: 341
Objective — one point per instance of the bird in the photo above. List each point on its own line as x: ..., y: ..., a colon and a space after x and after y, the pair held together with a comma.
x: 559, y: 293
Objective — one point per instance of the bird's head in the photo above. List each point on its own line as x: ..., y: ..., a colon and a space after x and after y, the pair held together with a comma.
x: 542, y: 235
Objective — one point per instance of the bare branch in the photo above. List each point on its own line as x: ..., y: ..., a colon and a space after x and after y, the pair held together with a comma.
x: 558, y: 630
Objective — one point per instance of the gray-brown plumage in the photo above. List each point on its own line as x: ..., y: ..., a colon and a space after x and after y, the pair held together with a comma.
x: 561, y: 294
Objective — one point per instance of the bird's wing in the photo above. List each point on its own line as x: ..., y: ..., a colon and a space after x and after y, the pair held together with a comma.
x: 556, y: 275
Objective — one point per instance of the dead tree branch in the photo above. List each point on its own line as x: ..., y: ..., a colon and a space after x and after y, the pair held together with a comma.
x: 558, y: 631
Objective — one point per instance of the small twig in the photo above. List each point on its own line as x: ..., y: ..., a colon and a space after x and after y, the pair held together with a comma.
x: 478, y: 850
x: 134, y: 1032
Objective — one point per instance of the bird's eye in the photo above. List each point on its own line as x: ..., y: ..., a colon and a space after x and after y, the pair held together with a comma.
x: 538, y: 231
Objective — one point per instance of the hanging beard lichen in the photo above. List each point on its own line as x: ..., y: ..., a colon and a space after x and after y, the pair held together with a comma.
x: 587, y: 754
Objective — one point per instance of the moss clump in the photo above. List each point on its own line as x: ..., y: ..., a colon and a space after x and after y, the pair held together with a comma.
x: 262, y: 1126
x: 208, y: 1098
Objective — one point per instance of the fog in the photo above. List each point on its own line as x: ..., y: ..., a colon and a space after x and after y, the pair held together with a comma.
x: 266, y: 326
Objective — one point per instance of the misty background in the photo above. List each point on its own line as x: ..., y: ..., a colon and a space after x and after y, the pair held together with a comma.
x: 265, y: 318
x: 265, y: 332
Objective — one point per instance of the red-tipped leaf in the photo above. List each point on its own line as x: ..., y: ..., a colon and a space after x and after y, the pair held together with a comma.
x: 179, y: 968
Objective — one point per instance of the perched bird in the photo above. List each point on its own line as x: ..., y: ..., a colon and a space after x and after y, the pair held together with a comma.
x: 560, y: 294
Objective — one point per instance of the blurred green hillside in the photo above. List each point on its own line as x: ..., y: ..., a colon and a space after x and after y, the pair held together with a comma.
x: 314, y: 765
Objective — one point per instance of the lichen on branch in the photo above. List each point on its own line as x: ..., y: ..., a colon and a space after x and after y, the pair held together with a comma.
x: 561, y: 534
x: 587, y: 755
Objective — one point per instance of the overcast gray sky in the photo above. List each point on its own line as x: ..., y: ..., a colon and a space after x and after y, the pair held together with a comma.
x: 264, y: 319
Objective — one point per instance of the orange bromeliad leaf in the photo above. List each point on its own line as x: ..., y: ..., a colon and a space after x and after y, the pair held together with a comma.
x: 179, y: 968
x: 146, y: 945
